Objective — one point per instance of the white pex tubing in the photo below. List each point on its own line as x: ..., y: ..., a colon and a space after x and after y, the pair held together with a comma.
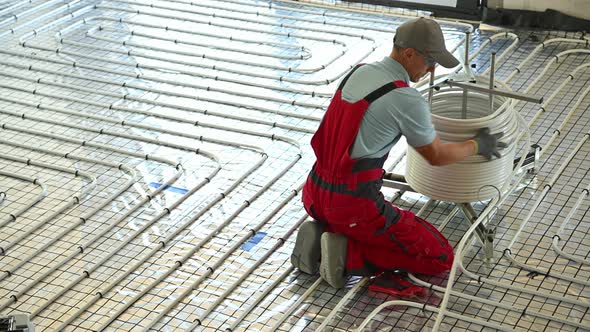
x: 475, y: 178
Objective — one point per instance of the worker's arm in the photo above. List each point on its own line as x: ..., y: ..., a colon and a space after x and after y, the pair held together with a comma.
x: 438, y: 153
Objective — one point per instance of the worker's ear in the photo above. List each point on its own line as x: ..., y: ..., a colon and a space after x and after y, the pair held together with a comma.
x: 409, y: 53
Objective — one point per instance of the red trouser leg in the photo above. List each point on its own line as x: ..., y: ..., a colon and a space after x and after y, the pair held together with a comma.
x: 410, y: 244
x: 380, y: 235
x: 392, y: 259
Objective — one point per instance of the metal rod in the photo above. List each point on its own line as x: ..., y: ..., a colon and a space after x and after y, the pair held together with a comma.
x: 464, y: 103
x: 492, y: 69
x: 466, y: 64
x: 480, y: 230
x: 397, y: 185
x: 431, y: 91
x: 499, y: 92
x: 467, y: 39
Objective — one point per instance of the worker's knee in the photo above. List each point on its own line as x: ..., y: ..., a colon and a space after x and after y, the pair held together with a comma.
x: 434, y: 261
x: 444, y: 261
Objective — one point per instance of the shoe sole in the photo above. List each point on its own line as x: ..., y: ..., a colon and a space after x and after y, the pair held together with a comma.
x: 333, y: 264
x: 306, y: 253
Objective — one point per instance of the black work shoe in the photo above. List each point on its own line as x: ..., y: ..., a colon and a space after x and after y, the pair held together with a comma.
x: 333, y: 262
x: 306, y: 253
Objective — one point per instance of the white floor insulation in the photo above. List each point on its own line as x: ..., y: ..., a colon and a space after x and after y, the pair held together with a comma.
x: 152, y: 155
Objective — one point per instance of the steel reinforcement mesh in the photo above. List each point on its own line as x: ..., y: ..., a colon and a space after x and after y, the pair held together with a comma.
x: 153, y: 152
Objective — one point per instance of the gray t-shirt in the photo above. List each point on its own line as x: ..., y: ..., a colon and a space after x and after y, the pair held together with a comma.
x: 402, y: 111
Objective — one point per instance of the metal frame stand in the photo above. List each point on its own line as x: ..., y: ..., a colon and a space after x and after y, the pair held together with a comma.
x: 484, y: 234
x: 16, y: 323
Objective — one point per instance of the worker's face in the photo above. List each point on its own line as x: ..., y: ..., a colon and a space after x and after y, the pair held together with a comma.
x: 418, y: 64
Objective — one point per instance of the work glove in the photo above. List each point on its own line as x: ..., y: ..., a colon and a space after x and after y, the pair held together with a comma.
x: 488, y: 144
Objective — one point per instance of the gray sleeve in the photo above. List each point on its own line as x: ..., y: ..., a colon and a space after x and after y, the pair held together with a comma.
x: 415, y: 121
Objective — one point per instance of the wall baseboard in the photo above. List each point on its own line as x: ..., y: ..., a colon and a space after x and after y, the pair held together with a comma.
x: 549, y: 19
x: 466, y: 9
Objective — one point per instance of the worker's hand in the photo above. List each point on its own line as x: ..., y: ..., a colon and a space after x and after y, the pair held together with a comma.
x: 488, y: 144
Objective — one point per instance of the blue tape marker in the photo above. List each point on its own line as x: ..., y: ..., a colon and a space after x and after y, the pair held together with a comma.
x: 172, y: 189
x: 253, y: 241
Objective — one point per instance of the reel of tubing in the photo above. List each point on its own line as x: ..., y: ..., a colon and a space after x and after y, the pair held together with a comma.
x: 474, y: 178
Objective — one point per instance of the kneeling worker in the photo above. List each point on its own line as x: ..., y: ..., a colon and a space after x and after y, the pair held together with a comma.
x: 355, y: 230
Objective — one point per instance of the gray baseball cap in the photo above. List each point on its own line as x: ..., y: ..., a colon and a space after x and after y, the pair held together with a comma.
x: 425, y: 35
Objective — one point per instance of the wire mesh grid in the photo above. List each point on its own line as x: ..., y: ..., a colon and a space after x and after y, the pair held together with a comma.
x: 231, y: 91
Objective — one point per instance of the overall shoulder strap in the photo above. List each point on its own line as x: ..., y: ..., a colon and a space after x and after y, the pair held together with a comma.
x: 348, y: 76
x: 386, y: 88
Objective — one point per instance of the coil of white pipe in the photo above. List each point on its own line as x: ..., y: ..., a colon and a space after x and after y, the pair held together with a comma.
x: 474, y: 178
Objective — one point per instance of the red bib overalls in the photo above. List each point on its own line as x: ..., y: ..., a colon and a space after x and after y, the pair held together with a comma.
x: 345, y: 194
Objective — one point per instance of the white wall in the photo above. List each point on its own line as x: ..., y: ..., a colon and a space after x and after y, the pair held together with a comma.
x: 450, y: 3
x: 576, y: 8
